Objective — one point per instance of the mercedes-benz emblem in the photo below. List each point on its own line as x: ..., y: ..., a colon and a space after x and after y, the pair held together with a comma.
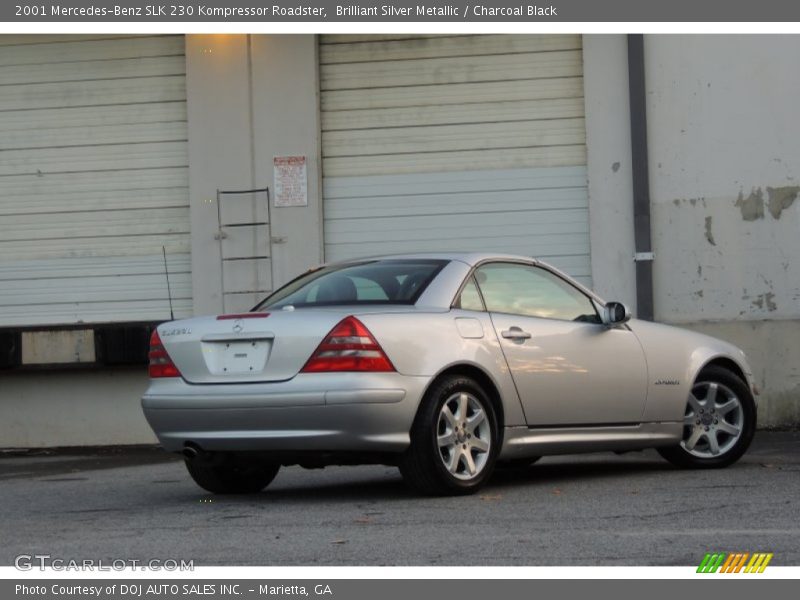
x: 238, y: 326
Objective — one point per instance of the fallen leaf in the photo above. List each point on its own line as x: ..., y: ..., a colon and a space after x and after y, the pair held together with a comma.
x: 488, y: 497
x: 339, y: 542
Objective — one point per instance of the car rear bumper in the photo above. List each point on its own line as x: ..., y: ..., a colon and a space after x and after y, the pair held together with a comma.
x: 369, y: 412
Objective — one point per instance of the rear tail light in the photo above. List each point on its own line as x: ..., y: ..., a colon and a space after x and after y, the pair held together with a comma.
x: 161, y: 364
x: 349, y: 347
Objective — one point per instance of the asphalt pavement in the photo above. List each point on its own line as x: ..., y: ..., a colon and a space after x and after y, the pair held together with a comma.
x: 601, y: 509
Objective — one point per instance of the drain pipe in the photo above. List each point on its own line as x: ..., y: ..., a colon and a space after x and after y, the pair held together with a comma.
x: 643, y: 254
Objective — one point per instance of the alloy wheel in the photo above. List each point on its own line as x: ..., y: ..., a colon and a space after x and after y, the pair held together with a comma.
x: 713, y: 421
x: 463, y: 436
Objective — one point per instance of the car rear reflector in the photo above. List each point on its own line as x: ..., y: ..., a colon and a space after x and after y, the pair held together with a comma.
x: 252, y: 315
x: 161, y: 364
x: 348, y: 347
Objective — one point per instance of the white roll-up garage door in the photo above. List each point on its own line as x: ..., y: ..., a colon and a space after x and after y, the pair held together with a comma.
x: 455, y: 143
x: 93, y: 179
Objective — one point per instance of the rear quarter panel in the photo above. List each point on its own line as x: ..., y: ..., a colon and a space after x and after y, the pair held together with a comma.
x: 428, y: 343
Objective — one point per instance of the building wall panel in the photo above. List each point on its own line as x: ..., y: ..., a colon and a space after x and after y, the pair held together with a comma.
x: 93, y: 179
x: 455, y: 143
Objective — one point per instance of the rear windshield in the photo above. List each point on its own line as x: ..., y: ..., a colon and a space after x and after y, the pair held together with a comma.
x: 374, y: 282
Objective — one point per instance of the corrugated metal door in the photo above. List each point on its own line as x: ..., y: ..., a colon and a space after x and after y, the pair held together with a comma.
x: 93, y: 179
x: 455, y: 143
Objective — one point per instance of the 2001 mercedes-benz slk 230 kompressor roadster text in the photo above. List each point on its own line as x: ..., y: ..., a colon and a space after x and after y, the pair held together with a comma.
x: 441, y: 364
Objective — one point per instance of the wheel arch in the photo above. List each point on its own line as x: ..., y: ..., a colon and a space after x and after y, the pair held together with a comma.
x: 484, y: 380
x: 727, y: 363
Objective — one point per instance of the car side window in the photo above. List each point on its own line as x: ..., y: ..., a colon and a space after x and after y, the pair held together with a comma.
x: 470, y: 298
x: 531, y: 291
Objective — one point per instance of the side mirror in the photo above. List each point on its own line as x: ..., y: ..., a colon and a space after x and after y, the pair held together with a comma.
x: 616, y: 313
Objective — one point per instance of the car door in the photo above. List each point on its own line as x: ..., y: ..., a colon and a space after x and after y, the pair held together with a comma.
x: 568, y: 367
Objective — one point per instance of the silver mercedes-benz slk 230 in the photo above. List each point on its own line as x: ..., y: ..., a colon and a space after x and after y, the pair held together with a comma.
x: 441, y: 364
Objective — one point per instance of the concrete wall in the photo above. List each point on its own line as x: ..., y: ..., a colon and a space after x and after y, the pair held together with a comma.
x: 251, y: 98
x: 724, y: 147
x: 286, y: 122
x: 73, y: 408
x: 608, y: 141
x: 220, y: 156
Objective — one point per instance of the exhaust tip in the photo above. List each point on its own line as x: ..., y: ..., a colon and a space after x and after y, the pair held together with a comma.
x: 190, y: 452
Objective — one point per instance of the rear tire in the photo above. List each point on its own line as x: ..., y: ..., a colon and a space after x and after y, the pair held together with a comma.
x: 719, y: 422
x: 454, y: 439
x: 229, y: 473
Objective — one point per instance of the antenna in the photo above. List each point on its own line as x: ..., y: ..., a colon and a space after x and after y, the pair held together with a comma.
x: 169, y: 291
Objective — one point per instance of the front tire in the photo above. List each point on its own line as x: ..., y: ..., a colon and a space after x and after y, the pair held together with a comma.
x: 719, y: 422
x: 229, y: 473
x: 454, y: 439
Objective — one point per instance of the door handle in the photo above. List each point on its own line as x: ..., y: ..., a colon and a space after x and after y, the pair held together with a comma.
x: 515, y: 333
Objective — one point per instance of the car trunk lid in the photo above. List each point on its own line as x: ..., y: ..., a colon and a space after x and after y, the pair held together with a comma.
x: 251, y: 347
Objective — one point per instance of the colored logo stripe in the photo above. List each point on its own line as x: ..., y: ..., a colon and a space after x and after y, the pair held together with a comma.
x: 734, y: 562
x: 758, y: 563
x: 711, y: 562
